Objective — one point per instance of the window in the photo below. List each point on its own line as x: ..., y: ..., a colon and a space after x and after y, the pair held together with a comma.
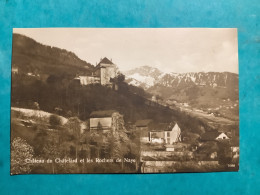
x: 168, y: 134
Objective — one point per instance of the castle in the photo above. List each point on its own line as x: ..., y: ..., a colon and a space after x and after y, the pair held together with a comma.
x: 103, y: 72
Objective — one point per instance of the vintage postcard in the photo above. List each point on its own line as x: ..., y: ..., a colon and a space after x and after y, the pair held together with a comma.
x: 124, y: 100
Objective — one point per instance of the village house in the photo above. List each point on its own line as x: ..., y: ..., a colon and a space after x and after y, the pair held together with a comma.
x: 165, y: 133
x: 144, y: 127
x: 173, y: 134
x: 213, y: 136
x: 105, y: 120
x: 158, y: 133
x: 102, y: 74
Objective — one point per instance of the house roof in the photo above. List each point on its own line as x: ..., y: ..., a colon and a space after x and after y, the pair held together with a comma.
x: 102, y: 113
x: 163, y: 126
x: 105, y: 61
x: 210, y: 135
x: 143, y: 123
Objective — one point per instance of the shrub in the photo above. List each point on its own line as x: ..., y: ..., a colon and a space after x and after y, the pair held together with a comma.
x: 55, y: 120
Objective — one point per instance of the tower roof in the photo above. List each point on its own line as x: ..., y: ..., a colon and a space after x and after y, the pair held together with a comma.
x: 105, y: 61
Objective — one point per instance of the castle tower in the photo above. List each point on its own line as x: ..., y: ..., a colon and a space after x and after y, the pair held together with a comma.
x: 106, y: 70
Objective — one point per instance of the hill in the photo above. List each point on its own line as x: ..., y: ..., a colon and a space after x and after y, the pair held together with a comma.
x: 60, y: 94
x: 38, y: 59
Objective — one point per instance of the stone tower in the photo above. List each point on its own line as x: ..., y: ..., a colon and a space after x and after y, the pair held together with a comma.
x: 106, y: 70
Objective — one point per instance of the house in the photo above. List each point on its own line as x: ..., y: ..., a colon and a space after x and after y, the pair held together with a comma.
x: 144, y: 127
x: 157, y: 133
x: 106, y: 120
x: 213, y: 135
x: 156, y: 136
x: 167, y: 133
x: 103, y: 72
x: 172, y: 134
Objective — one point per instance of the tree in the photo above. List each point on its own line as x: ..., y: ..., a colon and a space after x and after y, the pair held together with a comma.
x: 120, y: 78
x: 224, y: 153
x: 74, y: 127
x: 20, y: 151
x: 52, y: 150
x: 55, y: 120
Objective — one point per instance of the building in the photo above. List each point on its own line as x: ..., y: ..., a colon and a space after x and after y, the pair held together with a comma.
x: 165, y: 133
x: 144, y: 127
x: 168, y: 133
x: 103, y: 72
x: 157, y: 135
x: 106, y: 120
x: 86, y: 80
x: 213, y: 136
x: 172, y: 134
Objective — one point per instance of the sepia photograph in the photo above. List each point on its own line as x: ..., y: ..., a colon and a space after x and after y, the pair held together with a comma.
x: 124, y: 100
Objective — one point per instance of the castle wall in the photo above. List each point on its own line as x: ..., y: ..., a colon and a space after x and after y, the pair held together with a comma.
x: 107, y: 72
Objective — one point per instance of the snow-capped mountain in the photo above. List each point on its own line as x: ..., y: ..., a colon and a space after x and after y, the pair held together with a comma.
x: 204, y: 90
x: 148, y: 77
x: 143, y: 76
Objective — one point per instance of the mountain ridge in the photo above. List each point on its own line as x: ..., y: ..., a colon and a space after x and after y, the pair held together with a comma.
x: 208, y: 91
x: 146, y: 77
x: 32, y: 56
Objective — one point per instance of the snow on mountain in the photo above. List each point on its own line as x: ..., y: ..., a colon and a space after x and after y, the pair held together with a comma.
x: 143, y: 79
x: 143, y: 76
x: 147, y: 77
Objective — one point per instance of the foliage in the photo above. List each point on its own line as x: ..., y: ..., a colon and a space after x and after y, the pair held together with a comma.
x: 224, y: 153
x: 20, y: 151
x: 55, y: 120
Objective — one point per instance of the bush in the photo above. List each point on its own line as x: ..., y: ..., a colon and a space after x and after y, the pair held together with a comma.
x: 55, y: 120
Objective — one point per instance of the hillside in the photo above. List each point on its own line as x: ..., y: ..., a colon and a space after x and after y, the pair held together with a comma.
x: 60, y: 92
x: 32, y: 57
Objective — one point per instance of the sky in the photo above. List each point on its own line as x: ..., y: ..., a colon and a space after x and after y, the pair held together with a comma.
x: 176, y: 50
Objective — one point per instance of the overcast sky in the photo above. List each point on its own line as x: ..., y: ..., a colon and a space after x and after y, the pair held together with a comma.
x: 169, y: 49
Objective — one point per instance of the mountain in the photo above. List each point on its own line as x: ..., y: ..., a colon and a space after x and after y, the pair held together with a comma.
x: 216, y: 91
x: 143, y: 76
x: 148, y: 77
x: 33, y: 57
